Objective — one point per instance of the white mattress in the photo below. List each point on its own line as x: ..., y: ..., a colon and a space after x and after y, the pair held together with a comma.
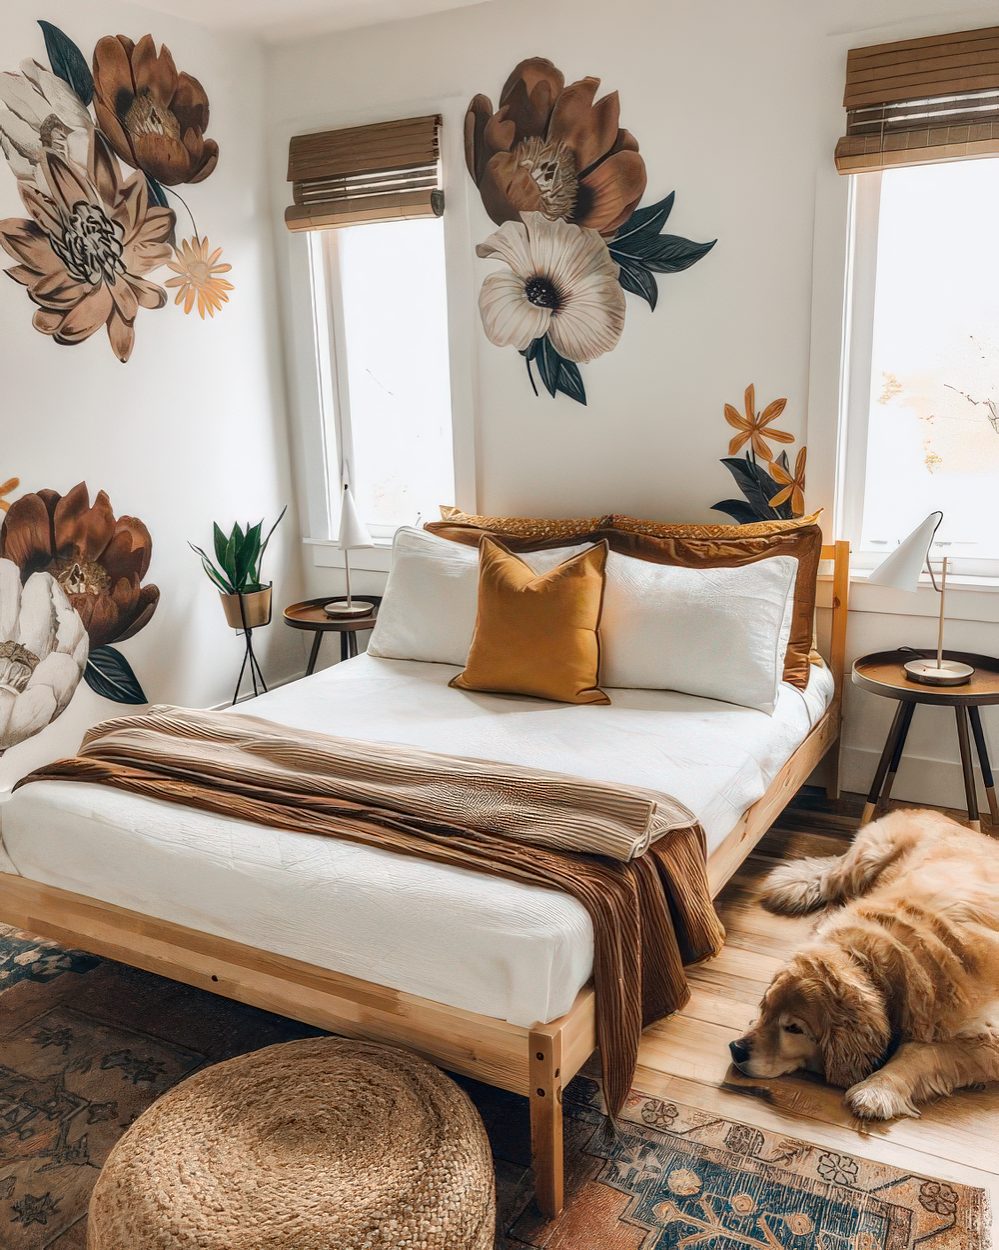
x: 500, y: 948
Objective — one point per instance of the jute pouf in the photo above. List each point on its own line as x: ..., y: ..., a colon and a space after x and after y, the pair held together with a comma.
x: 321, y: 1144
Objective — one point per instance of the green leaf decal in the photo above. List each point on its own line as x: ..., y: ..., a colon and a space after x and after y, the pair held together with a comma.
x: 738, y: 510
x: 634, y: 277
x: 157, y: 195
x: 68, y: 62
x: 646, y: 221
x: 641, y: 251
x: 556, y: 373
x: 671, y: 254
x: 758, y: 487
x: 110, y: 675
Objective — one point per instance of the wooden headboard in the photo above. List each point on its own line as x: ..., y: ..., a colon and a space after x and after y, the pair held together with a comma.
x: 839, y: 553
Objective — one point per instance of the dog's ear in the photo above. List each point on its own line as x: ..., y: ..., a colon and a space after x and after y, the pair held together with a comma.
x: 854, y: 1032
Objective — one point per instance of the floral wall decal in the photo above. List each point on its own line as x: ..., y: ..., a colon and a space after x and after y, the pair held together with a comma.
x: 154, y: 117
x: 12, y: 483
x: 98, y: 563
x: 43, y: 653
x: 774, y: 492
x: 95, y: 233
x: 563, y: 182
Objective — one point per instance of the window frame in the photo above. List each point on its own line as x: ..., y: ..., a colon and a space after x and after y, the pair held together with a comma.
x: 313, y: 385
x: 337, y: 417
x: 864, y: 204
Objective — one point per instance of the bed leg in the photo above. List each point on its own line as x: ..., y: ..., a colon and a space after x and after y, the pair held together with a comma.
x: 546, y: 1120
x: 831, y: 769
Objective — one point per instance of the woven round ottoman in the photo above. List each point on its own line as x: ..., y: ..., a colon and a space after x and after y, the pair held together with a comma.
x: 321, y: 1144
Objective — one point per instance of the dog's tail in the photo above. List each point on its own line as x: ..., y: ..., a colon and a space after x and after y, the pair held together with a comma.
x: 803, y: 885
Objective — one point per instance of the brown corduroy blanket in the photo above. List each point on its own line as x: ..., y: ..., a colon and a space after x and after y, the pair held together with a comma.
x: 650, y: 914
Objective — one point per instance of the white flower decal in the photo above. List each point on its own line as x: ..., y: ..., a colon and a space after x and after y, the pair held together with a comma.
x: 562, y: 283
x: 43, y: 652
x: 40, y: 112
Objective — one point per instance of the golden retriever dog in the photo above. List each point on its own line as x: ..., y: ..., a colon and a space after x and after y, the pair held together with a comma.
x: 896, y: 996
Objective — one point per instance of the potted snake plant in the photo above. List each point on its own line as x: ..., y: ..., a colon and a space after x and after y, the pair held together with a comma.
x: 235, y: 572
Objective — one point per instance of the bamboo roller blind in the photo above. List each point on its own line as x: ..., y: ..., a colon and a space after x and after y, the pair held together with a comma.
x: 921, y: 100
x: 383, y: 172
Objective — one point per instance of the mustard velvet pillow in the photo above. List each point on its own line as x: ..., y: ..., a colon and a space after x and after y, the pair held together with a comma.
x: 537, y: 633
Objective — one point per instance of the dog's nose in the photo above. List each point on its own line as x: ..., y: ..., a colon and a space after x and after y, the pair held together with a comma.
x: 740, y: 1050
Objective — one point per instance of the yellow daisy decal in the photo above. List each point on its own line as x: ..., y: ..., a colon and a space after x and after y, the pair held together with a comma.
x: 12, y: 483
x: 199, y: 277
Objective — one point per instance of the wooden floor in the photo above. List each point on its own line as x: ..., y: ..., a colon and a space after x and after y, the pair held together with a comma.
x: 687, y: 1055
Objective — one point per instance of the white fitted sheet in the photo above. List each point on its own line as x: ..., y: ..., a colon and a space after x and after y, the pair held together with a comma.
x: 496, y: 947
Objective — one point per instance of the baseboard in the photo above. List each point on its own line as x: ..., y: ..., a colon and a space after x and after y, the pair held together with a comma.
x: 244, y: 698
x: 919, y: 780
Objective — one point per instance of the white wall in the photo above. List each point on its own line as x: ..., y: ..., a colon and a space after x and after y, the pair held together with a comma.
x: 192, y: 428
x: 736, y: 107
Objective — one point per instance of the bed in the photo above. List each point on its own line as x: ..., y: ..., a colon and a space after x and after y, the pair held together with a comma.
x: 486, y: 976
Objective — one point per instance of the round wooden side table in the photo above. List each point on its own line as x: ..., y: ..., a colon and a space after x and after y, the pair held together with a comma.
x: 309, y: 615
x: 882, y: 673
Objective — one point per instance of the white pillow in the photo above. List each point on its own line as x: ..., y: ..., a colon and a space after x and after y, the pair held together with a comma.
x: 430, y: 602
x: 720, y: 633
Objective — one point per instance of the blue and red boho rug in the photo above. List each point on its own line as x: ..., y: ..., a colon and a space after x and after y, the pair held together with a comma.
x: 86, y: 1045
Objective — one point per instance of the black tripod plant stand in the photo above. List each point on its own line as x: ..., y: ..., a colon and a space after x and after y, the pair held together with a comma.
x: 254, y: 612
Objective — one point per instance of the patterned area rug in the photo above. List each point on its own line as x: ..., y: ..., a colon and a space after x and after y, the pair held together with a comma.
x: 86, y: 1045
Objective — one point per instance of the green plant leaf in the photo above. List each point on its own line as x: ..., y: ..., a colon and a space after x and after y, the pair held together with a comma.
x: 634, y: 277
x: 246, y: 557
x: 216, y: 576
x: 220, y: 543
x: 68, y: 62
x: 229, y: 562
x: 263, y: 545
x: 110, y: 675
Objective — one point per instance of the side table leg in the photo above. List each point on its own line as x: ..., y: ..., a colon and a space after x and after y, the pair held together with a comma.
x: 896, y: 758
x: 314, y: 653
x: 964, y: 741
x: 983, y: 758
x: 887, y: 755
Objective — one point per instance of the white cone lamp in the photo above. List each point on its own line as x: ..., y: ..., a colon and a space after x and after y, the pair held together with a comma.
x: 353, y: 533
x: 901, y: 571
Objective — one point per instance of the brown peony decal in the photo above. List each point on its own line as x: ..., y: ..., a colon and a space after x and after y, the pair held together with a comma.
x: 99, y: 562
x: 154, y: 117
x: 563, y: 181
x: 95, y: 233
x: 550, y: 149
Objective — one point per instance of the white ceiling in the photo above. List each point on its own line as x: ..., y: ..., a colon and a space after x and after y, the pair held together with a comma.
x: 278, y: 20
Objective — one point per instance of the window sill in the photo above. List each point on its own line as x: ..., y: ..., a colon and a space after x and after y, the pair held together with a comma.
x: 328, y: 555
x: 968, y: 598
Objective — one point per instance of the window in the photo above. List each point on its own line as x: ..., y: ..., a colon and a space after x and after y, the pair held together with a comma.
x: 390, y: 369
x: 377, y: 413
x: 923, y: 402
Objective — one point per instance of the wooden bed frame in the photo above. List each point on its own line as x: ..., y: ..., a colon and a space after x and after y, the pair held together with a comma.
x: 536, y: 1062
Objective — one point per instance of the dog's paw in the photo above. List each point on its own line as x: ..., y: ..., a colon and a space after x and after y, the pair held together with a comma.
x: 878, y: 1099
x: 797, y: 888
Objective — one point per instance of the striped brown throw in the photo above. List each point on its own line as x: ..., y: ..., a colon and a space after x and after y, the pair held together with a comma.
x: 651, y: 912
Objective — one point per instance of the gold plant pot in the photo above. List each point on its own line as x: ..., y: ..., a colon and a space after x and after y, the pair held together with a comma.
x: 256, y: 608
